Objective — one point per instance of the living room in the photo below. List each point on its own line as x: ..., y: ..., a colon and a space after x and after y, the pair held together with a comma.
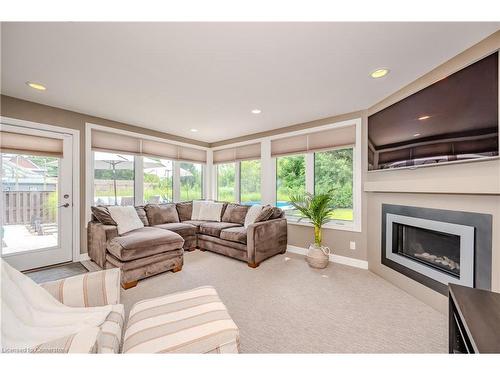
x: 237, y: 187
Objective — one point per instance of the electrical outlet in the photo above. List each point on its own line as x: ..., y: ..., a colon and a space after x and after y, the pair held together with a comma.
x: 352, y: 245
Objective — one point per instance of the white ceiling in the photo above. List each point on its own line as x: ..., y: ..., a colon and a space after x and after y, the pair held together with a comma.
x: 173, y: 77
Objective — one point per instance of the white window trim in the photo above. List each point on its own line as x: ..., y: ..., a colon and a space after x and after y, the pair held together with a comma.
x: 76, y: 171
x: 268, y: 173
x: 138, y: 170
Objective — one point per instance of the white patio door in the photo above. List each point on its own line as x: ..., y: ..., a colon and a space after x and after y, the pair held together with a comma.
x: 37, y: 197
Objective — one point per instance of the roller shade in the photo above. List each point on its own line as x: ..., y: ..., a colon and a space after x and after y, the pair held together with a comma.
x: 17, y: 143
x: 326, y: 139
x: 106, y: 141
x: 160, y: 149
x: 229, y: 155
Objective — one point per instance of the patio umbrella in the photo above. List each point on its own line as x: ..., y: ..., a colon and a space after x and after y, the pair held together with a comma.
x: 106, y: 161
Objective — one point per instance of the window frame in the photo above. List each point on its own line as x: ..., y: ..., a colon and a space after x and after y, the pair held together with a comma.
x: 138, y: 167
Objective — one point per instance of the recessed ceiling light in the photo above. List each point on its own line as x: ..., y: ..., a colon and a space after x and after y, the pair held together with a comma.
x: 416, y: 134
x: 256, y: 111
x: 194, y: 130
x: 424, y: 117
x: 379, y: 73
x: 36, y: 86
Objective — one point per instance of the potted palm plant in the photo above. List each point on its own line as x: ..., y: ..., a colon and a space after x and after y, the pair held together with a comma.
x: 317, y: 208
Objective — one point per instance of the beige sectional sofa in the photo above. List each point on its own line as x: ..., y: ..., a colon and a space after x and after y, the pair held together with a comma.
x: 169, y: 231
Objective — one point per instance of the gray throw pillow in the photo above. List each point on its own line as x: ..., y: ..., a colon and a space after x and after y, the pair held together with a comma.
x: 101, y: 213
x: 161, y: 213
x: 141, y: 212
x: 277, y: 213
x: 184, y: 210
x: 235, y: 213
x: 265, y: 214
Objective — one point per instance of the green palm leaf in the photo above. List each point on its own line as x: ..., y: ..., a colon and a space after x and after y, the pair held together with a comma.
x: 316, y: 207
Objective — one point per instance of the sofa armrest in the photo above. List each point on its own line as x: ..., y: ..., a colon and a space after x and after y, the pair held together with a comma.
x: 265, y: 239
x: 98, y: 236
x: 99, y: 288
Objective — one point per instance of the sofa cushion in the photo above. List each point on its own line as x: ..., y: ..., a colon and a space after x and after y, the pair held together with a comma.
x: 126, y: 218
x: 211, y: 211
x: 184, y: 209
x: 214, y: 228
x: 101, y: 213
x: 144, y: 242
x: 236, y: 234
x: 141, y: 212
x: 252, y: 214
x: 182, y: 229
x: 195, y: 223
x: 265, y: 214
x: 161, y: 213
x: 235, y: 213
x: 277, y: 213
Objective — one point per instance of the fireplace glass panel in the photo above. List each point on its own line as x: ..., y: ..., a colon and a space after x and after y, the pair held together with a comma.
x: 433, y: 248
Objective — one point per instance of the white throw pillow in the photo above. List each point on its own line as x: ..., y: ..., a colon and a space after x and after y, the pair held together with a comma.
x: 252, y: 214
x: 195, y: 213
x: 211, y: 211
x: 126, y: 218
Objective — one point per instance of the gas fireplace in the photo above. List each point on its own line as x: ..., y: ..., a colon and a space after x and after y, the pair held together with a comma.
x: 437, y: 247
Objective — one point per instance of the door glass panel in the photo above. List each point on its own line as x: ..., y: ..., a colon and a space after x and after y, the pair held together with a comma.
x: 30, y: 199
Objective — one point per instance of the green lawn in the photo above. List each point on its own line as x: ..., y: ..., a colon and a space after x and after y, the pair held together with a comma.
x: 342, y: 214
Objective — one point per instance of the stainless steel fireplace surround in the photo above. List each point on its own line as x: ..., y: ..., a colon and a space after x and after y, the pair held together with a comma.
x: 465, y: 249
x: 437, y: 247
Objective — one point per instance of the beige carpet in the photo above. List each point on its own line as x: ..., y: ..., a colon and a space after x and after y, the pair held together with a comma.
x: 283, y: 306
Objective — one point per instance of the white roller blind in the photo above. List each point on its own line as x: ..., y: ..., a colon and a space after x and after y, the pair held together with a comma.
x: 107, y: 141
x: 16, y: 143
x: 326, y: 139
x: 229, y: 155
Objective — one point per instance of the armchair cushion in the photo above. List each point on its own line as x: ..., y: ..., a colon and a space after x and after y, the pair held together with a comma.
x: 99, y: 288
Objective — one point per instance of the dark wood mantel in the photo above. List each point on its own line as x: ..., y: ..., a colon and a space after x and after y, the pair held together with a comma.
x: 474, y: 320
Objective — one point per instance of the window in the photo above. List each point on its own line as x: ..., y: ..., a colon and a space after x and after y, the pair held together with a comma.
x: 191, y: 181
x: 113, y: 179
x: 290, y: 178
x: 250, y: 182
x: 226, y: 182
x: 158, y: 180
x: 333, y: 170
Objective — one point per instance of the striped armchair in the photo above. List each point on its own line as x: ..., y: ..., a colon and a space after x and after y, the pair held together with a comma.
x: 91, y: 289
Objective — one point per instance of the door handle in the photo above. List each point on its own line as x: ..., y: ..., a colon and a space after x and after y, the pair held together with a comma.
x: 64, y: 205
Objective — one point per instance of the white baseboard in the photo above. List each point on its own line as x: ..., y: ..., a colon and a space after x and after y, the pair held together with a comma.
x: 358, y: 263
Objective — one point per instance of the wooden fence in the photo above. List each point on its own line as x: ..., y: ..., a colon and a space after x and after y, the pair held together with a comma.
x: 22, y: 207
